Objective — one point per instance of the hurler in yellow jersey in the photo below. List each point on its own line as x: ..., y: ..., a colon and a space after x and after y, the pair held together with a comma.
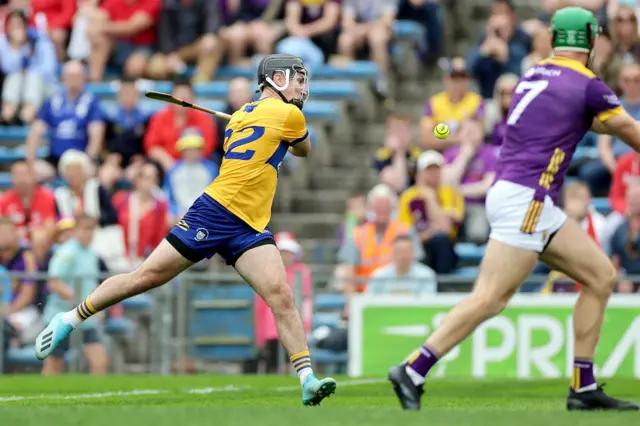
x: 231, y: 219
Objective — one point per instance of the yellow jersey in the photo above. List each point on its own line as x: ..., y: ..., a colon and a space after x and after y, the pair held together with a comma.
x: 412, y: 209
x: 440, y: 109
x: 256, y: 141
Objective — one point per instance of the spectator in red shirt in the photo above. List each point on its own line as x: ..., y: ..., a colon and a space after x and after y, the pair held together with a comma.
x: 126, y: 28
x: 626, y: 173
x: 59, y: 19
x: 142, y: 214
x: 31, y: 207
x: 166, y: 126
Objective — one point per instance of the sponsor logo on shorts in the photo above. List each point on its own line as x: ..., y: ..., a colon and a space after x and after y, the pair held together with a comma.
x: 201, y: 234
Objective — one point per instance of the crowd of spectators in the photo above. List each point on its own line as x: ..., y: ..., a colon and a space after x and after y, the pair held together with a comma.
x: 437, y: 187
x: 115, y: 177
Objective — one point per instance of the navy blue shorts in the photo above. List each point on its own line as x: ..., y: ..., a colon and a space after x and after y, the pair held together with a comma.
x: 208, y: 228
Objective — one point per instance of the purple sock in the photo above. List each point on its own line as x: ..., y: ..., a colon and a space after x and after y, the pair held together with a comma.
x: 582, y: 374
x: 422, y: 361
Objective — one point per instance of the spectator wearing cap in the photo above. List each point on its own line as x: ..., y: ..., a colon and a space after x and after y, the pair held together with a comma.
x: 501, y: 49
x: 188, y: 177
x: 454, y: 106
x: 396, y: 161
x: 143, y: 214
x: 167, y: 124
x: 471, y: 167
x: 125, y: 130
x: 187, y: 34
x: 369, y: 22
x: 403, y: 275
x: 435, y: 211
x: 300, y: 278
x: 370, y: 245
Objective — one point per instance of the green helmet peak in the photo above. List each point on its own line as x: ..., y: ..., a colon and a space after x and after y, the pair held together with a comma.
x: 574, y: 29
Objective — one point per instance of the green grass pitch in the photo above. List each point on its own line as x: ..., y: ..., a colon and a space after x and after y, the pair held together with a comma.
x: 275, y: 400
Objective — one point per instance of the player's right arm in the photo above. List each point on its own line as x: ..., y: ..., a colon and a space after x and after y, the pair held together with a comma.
x: 610, y: 116
x: 295, y: 132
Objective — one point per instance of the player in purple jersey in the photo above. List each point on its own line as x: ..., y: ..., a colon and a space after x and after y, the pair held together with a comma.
x: 554, y: 104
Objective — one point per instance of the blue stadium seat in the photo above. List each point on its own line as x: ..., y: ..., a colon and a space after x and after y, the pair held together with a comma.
x: 602, y: 205
x: 13, y: 133
x: 318, y: 110
x: 5, y: 180
x: 469, y: 252
x: 585, y: 152
x: 408, y: 30
x: 329, y: 302
x: 332, y: 90
x: 326, y: 319
x: 9, y: 155
x: 467, y: 272
x: 119, y: 326
x: 222, y: 322
x: 22, y: 357
x: 139, y: 302
x: 323, y: 356
x: 356, y: 70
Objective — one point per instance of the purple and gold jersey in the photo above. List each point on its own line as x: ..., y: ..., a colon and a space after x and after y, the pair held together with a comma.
x: 553, y: 107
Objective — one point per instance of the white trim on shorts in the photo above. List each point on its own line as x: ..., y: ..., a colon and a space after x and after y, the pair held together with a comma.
x: 517, y: 219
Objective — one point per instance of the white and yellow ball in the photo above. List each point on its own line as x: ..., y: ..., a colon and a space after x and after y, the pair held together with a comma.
x: 441, y: 131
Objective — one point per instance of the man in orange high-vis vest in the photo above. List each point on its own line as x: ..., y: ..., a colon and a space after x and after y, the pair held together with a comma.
x: 371, y: 245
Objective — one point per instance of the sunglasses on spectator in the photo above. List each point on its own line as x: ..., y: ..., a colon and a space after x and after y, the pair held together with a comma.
x: 506, y: 92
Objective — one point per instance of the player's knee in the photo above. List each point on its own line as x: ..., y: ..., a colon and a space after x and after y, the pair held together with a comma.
x: 280, y: 298
x: 489, y: 305
x: 604, y: 282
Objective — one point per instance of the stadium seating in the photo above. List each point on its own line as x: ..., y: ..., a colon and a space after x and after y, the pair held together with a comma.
x: 221, y: 323
x: 330, y: 90
x: 469, y: 252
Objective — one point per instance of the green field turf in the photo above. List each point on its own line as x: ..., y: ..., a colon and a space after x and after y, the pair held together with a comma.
x: 268, y: 400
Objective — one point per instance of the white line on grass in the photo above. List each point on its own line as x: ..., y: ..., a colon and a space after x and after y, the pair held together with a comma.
x: 198, y: 391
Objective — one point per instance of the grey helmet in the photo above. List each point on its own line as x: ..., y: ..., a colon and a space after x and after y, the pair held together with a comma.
x: 290, y: 66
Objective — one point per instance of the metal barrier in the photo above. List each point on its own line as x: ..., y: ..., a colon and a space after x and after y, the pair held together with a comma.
x: 172, y: 311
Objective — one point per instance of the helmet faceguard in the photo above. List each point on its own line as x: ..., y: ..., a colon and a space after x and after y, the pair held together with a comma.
x: 295, y: 75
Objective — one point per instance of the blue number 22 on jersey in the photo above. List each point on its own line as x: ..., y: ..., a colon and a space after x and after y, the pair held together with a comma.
x: 256, y: 133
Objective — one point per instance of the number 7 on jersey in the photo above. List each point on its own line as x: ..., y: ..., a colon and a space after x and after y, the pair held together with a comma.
x: 533, y: 89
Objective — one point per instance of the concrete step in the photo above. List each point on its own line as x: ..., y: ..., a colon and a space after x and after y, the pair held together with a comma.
x: 320, y: 200
x: 308, y: 225
x: 335, y: 177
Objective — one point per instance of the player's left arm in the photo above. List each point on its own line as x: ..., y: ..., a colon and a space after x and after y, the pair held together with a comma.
x: 610, y: 117
x: 296, y: 134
